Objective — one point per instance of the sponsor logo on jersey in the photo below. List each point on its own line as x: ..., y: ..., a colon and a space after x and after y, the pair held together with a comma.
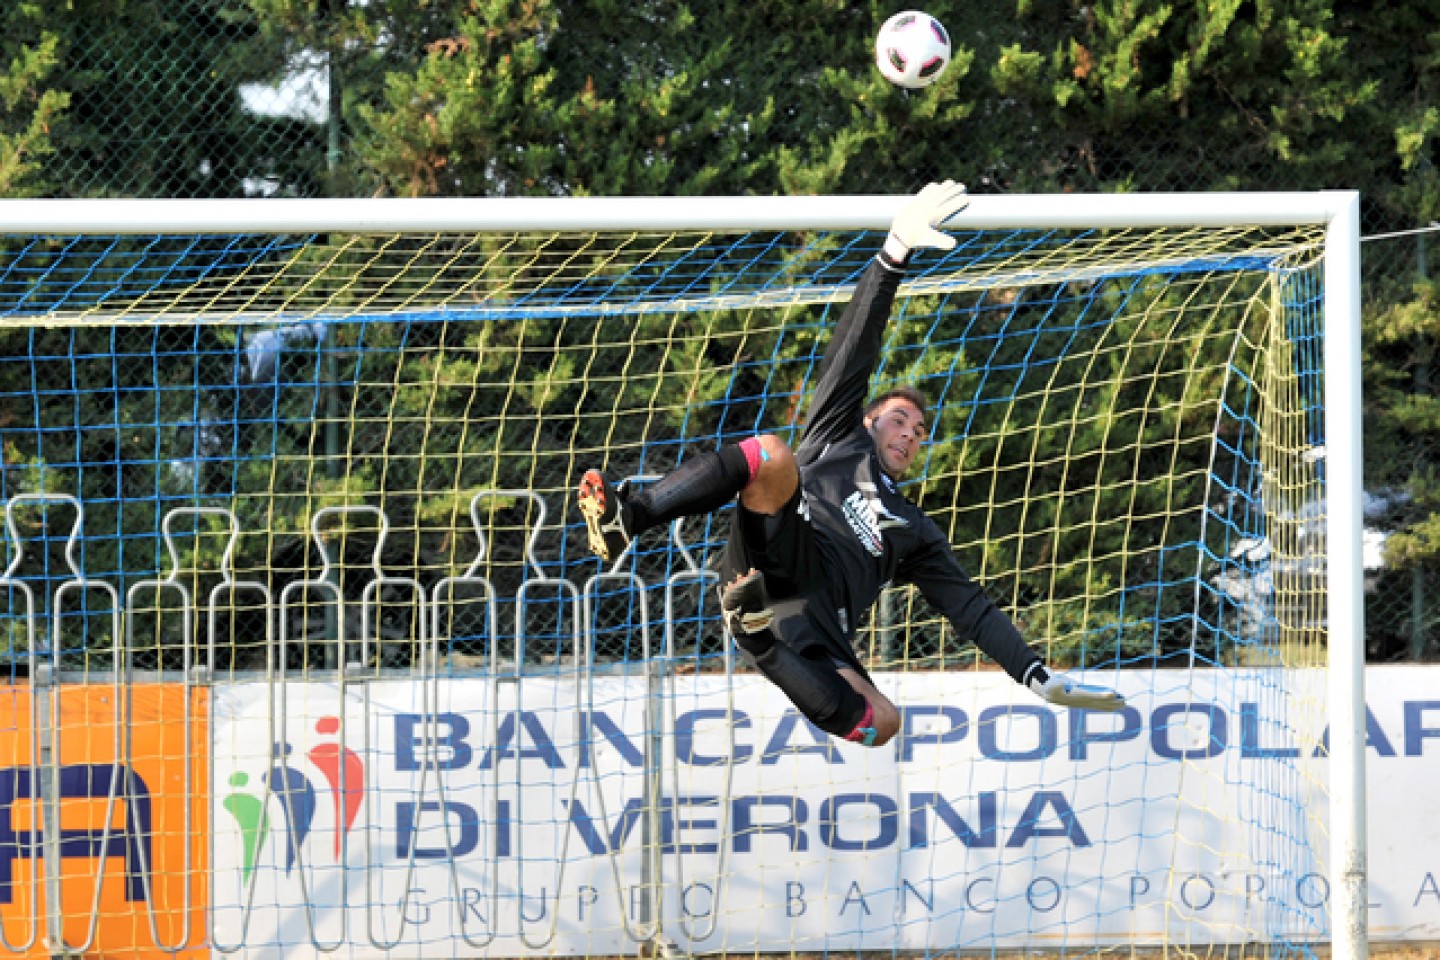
x: 868, y: 518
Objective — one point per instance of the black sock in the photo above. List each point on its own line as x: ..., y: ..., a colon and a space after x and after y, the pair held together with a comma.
x: 814, y: 686
x: 700, y: 485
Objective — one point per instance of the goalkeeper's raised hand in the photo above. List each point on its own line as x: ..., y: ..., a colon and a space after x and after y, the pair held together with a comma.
x: 1064, y: 692
x: 915, y: 225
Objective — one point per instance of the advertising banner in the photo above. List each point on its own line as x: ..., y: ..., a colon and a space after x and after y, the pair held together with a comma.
x: 129, y: 857
x: 478, y: 815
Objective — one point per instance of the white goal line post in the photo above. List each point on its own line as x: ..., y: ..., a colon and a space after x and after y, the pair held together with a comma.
x: 1336, y: 210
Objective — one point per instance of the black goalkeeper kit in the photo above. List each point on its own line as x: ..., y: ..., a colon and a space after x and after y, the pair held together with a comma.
x: 849, y: 532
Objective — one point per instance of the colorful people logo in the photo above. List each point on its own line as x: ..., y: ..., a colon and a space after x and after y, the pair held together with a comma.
x: 287, y: 784
x: 345, y: 772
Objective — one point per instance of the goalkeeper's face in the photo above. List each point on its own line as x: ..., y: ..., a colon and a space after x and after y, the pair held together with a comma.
x: 898, y: 428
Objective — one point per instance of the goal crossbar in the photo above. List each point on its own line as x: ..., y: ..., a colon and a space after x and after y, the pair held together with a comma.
x: 481, y: 214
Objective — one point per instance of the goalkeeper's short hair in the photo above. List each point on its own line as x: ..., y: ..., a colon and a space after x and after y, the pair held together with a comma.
x: 905, y: 392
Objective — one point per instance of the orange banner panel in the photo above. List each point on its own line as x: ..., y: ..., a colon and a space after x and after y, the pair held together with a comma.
x: 130, y: 772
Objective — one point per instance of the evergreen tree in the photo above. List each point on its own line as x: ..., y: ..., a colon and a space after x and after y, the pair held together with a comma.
x: 30, y: 107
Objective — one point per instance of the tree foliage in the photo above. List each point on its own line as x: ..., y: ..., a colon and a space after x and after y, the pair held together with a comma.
x: 29, y: 107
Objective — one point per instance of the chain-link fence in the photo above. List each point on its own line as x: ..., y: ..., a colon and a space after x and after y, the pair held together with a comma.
x: 256, y: 98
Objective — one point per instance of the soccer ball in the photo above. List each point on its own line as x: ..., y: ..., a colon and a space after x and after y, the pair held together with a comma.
x: 912, y: 49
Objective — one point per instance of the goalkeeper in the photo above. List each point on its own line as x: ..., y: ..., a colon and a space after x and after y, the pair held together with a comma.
x: 820, y: 530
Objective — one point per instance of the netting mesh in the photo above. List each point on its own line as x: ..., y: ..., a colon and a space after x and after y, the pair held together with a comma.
x: 237, y: 280
x: 319, y: 488
x: 1084, y: 414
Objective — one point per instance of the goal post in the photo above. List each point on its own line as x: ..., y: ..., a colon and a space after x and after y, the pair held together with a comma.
x: 1345, y: 586
x: 296, y: 474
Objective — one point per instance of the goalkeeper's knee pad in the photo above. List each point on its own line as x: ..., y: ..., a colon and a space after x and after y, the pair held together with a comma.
x: 816, y: 689
x: 847, y: 715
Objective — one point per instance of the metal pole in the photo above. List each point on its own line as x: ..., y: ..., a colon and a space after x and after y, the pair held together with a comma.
x: 334, y: 105
x: 294, y: 215
x: 1345, y: 578
x: 47, y: 791
x: 1417, y: 571
x: 329, y: 367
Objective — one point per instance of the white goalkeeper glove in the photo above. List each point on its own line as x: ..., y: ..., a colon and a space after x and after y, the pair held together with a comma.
x: 1064, y: 692
x: 915, y: 225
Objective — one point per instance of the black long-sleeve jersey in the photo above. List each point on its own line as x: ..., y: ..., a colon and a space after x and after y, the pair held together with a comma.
x: 868, y: 533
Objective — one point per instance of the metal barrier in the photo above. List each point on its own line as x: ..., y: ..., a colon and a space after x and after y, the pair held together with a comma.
x: 345, y: 668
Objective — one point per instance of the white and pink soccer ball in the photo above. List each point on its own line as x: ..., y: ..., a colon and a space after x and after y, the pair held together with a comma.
x: 912, y: 49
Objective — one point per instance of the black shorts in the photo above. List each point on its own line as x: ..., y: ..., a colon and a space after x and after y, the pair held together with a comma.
x: 784, y: 547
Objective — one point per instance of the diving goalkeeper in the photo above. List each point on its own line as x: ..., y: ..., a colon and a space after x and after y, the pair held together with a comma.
x: 821, y: 529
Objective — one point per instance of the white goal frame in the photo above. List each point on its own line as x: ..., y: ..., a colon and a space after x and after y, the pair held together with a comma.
x: 1337, y: 211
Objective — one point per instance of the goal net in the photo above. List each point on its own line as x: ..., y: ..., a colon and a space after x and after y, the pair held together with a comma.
x: 308, y: 654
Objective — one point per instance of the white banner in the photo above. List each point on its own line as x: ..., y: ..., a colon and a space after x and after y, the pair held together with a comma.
x: 475, y: 816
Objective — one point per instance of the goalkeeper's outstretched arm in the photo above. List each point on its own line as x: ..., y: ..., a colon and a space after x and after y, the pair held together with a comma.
x: 936, y: 571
